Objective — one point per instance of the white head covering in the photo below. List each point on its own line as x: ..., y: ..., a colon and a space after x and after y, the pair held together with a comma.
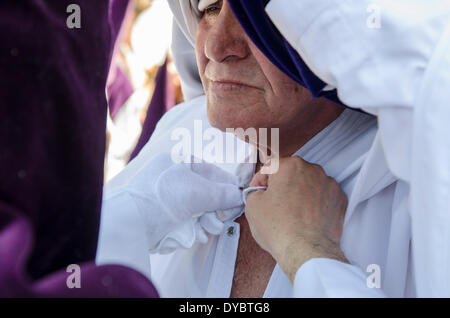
x: 186, y: 16
x: 187, y: 13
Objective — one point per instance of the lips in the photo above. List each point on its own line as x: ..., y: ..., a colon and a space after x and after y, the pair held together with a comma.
x: 229, y: 85
x: 230, y: 79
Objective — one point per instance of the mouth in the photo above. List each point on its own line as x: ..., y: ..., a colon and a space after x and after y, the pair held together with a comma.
x: 230, y: 86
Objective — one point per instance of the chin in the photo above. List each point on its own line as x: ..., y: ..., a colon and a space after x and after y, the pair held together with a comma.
x: 219, y: 115
x: 225, y: 115
x: 224, y: 119
x: 219, y: 121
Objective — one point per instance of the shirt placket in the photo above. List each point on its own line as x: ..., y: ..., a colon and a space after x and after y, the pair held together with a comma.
x: 222, y: 272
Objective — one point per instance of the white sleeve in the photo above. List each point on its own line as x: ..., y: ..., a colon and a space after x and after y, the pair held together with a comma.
x: 378, y: 66
x: 391, y: 59
x: 327, y: 278
x: 123, y: 235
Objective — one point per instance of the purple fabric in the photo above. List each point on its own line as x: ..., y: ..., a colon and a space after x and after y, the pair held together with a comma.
x: 52, y: 139
x: 119, y: 90
x: 257, y: 24
x: 162, y: 100
x: 118, y: 84
x: 117, y: 11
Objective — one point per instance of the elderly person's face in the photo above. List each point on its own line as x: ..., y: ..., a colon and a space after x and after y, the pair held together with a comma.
x: 244, y: 89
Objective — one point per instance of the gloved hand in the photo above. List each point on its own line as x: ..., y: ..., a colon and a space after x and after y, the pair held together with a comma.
x: 166, y: 206
x: 199, y: 198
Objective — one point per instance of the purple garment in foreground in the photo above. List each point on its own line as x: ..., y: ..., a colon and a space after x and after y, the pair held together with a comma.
x: 52, y: 139
x: 162, y: 100
x: 258, y: 26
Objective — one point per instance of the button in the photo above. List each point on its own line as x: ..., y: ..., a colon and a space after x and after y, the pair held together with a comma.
x: 230, y: 231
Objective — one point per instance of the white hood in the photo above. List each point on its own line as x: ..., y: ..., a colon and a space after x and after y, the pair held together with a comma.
x: 186, y: 15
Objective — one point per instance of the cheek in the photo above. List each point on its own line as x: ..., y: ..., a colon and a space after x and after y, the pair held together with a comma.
x: 284, y: 94
x: 279, y: 82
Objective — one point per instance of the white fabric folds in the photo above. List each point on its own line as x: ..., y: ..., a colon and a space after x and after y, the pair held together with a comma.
x: 183, y: 42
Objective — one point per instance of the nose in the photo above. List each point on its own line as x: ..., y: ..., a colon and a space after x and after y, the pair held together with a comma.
x: 226, y: 38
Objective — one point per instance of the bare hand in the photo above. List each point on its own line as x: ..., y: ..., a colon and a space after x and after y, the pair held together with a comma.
x: 299, y: 217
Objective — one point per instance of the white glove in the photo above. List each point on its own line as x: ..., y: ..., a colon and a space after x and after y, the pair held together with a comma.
x: 175, y: 205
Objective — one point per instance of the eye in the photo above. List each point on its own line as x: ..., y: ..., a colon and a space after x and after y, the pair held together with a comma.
x: 213, y: 9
